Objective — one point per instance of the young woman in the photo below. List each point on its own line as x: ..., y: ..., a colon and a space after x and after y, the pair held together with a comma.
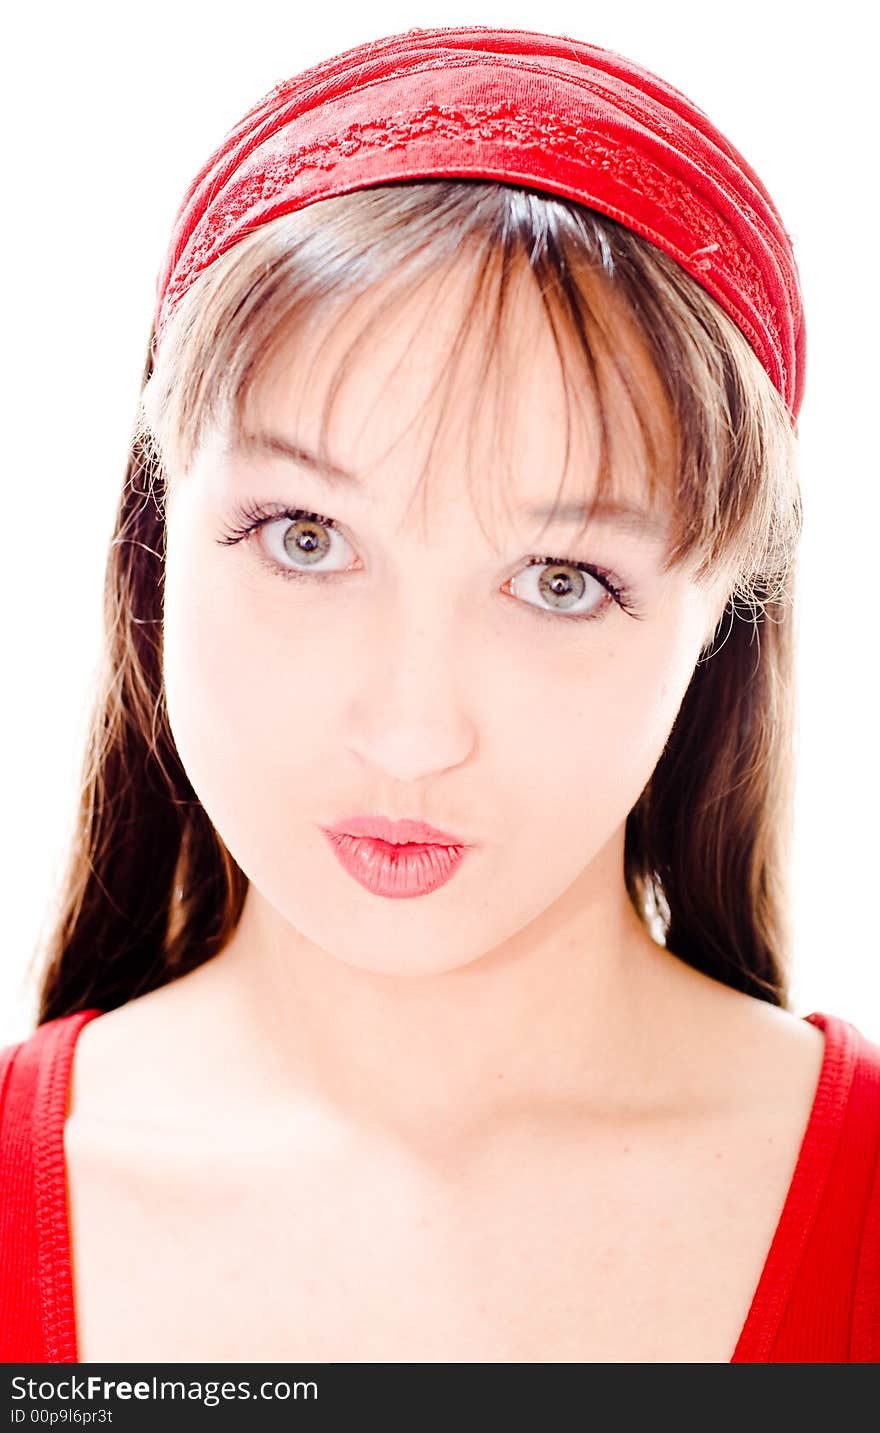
x: 419, y: 990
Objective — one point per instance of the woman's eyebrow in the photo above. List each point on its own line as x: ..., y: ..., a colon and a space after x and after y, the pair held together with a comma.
x: 297, y: 453
x: 627, y: 517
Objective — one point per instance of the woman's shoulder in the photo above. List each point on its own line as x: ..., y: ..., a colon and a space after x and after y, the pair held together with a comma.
x: 35, y: 1065
x: 825, y: 1055
x: 152, y: 1059
x: 35, y: 1074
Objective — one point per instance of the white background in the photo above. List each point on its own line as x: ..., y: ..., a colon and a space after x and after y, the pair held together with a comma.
x: 109, y: 113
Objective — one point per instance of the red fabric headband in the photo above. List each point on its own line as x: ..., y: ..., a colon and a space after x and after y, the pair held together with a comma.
x: 544, y: 111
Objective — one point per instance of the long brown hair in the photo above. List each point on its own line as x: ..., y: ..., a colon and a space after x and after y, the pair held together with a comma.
x: 150, y: 890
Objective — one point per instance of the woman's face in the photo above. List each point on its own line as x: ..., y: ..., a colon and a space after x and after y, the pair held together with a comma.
x: 435, y: 674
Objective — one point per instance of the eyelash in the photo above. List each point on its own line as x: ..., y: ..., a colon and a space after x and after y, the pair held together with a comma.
x: 251, y: 517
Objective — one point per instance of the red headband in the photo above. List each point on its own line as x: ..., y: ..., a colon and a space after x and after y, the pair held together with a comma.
x: 544, y: 111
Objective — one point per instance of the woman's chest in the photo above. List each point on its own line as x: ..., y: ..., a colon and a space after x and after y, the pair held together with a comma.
x: 615, y: 1252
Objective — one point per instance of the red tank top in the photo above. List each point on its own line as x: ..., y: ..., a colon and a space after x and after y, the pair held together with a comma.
x: 817, y: 1300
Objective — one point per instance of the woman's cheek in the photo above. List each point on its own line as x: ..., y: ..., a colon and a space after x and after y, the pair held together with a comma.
x: 598, y: 734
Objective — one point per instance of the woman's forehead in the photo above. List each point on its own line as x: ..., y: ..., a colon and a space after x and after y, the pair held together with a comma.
x: 418, y: 384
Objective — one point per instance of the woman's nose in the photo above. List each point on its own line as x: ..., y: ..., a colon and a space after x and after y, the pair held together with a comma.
x: 410, y: 714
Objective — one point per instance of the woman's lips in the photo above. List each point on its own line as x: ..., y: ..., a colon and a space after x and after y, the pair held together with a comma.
x: 405, y: 830
x: 395, y: 870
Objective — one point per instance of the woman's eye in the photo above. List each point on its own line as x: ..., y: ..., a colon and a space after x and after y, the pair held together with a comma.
x: 292, y: 542
x: 307, y: 543
x: 564, y: 587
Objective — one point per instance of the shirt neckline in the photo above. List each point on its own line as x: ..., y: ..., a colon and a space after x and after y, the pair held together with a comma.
x: 772, y: 1292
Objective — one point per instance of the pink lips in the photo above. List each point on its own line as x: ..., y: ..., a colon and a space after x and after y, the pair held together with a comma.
x: 395, y: 858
